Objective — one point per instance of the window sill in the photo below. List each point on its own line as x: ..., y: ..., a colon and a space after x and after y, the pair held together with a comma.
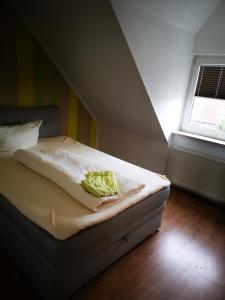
x: 200, y: 137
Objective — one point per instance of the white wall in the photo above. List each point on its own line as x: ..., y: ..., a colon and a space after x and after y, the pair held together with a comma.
x: 140, y: 150
x: 163, y: 55
x: 211, y: 38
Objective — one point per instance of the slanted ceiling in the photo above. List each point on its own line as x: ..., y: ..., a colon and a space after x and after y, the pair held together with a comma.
x: 86, y: 42
x: 160, y: 35
x: 186, y: 15
x: 210, y: 40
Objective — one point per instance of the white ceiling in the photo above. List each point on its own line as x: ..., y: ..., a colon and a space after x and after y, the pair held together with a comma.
x: 188, y: 15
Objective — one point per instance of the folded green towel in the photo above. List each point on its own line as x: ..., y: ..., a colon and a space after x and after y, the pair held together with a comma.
x: 100, y: 184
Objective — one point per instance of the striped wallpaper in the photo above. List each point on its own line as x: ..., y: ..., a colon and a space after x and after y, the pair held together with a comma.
x: 28, y: 78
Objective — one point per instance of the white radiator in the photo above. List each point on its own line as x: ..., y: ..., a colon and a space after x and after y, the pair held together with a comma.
x: 197, y: 172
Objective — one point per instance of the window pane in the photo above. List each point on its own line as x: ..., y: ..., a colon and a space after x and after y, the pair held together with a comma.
x: 209, y: 80
x: 208, y: 113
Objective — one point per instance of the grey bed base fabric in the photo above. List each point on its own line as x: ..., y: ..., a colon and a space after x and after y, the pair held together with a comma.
x: 49, y: 115
x: 58, y: 268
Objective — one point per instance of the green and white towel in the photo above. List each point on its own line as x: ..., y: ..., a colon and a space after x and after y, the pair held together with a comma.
x: 100, y: 184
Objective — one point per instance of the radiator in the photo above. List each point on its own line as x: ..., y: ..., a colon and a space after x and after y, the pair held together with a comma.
x: 197, y: 172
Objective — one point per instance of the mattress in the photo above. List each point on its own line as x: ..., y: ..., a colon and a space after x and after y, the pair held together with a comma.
x: 47, y: 205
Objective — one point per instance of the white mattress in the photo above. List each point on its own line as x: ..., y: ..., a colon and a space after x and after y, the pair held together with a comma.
x: 46, y: 204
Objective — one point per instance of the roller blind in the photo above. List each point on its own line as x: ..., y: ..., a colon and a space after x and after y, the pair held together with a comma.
x: 211, y: 82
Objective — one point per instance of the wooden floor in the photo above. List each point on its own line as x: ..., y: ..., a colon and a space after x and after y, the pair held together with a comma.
x: 184, y: 260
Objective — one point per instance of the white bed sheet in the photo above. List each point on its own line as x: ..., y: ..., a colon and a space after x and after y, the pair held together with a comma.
x: 47, y: 205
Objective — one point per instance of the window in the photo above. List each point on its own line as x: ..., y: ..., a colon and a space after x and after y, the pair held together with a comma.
x: 205, y: 109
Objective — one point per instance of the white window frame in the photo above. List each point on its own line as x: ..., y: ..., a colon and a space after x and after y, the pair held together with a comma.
x: 186, y: 126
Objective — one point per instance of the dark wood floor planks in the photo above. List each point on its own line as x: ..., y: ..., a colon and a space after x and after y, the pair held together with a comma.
x: 185, y: 260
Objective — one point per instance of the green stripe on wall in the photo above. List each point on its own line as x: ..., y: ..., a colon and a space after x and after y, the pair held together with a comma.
x: 39, y: 62
x: 64, y: 103
x: 8, y: 57
x: 52, y: 79
x: 84, y: 125
x: 93, y: 133
x: 46, y: 79
x: 28, y: 77
x: 73, y: 115
x: 25, y: 65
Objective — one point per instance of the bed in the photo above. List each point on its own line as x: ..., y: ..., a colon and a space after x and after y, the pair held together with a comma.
x: 56, y: 268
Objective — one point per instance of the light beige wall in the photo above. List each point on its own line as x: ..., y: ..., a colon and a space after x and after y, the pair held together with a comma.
x: 140, y: 150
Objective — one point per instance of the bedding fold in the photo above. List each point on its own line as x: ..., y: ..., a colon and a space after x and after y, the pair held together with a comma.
x: 68, y: 170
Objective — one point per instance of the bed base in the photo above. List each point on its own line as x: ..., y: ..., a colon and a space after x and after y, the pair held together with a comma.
x: 56, y: 268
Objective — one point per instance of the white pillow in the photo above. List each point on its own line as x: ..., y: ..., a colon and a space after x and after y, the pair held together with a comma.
x: 19, y: 136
